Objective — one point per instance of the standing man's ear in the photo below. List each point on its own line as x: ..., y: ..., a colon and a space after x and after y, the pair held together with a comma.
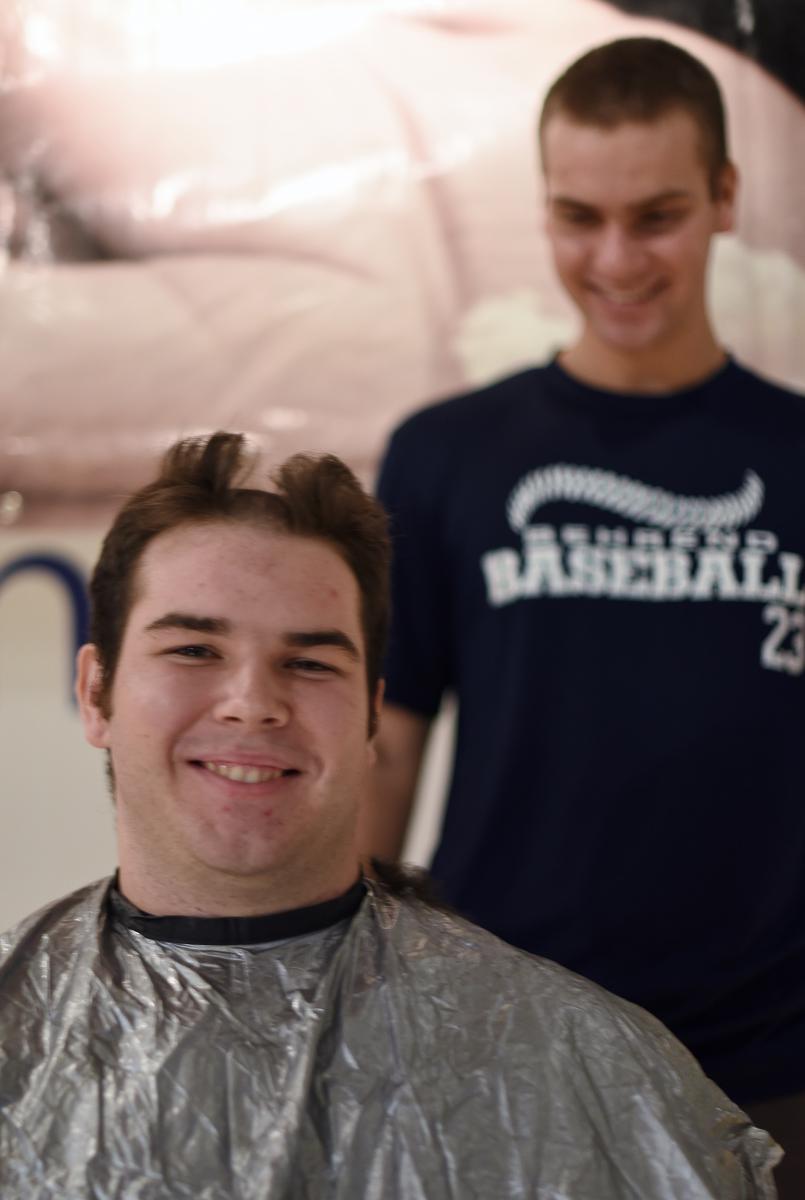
x: 375, y: 705
x: 88, y: 683
x: 726, y: 191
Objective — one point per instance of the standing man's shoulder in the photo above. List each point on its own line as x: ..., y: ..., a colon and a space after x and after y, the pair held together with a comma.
x: 469, y: 412
x: 425, y: 449
x: 747, y: 386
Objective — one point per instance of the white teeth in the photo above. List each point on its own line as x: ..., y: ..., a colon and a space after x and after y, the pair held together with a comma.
x: 628, y: 297
x: 241, y: 774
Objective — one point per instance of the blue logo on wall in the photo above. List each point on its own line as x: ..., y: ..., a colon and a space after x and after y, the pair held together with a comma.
x: 71, y: 579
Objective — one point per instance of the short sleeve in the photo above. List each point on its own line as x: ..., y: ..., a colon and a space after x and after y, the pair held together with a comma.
x: 411, y: 488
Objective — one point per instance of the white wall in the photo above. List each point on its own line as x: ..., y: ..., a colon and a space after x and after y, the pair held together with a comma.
x: 423, y: 832
x: 56, y: 827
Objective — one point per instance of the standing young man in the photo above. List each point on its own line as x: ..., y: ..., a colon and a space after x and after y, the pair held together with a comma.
x: 238, y: 1015
x: 603, y: 558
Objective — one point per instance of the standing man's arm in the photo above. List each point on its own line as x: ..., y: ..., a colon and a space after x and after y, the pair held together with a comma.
x: 387, y: 808
x: 417, y: 670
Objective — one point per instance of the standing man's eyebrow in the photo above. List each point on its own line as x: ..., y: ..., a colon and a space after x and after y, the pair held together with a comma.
x: 196, y: 624
x: 323, y: 637
x: 664, y: 197
x: 569, y: 202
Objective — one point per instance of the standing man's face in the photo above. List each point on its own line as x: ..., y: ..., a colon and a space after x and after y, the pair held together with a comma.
x: 237, y: 722
x: 630, y: 216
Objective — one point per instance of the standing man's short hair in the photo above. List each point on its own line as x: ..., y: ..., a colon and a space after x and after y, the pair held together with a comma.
x: 641, y: 79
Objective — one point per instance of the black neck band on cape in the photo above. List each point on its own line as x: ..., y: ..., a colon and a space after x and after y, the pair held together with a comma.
x: 237, y: 931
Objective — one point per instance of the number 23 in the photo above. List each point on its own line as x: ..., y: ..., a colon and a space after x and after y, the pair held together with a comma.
x: 784, y: 622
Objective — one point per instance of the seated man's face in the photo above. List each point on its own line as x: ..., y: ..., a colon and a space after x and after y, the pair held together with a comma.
x: 238, y: 713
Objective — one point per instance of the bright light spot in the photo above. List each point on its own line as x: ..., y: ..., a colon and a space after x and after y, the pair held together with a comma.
x: 187, y: 35
x: 11, y: 505
x: 332, y: 182
x: 329, y: 181
x: 279, y: 419
x: 41, y: 37
x: 206, y: 32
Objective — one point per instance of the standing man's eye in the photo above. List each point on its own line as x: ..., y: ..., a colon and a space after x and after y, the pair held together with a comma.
x: 578, y: 217
x: 655, y: 220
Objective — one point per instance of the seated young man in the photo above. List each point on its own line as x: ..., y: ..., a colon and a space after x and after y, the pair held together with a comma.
x: 237, y: 1013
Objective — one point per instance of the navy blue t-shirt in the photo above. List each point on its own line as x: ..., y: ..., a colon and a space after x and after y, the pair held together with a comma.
x: 613, y: 587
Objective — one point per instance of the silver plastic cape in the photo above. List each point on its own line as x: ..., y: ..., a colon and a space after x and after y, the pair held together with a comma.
x: 402, y: 1054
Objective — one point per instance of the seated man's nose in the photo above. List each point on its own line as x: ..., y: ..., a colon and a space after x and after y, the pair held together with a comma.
x: 254, y: 697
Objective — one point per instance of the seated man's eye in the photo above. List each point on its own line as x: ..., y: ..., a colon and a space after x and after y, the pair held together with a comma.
x: 311, y: 665
x: 193, y: 651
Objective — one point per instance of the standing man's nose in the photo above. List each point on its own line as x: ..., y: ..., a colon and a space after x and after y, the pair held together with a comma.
x: 618, y: 257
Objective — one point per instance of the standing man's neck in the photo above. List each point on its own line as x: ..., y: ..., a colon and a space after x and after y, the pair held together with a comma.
x: 657, y: 370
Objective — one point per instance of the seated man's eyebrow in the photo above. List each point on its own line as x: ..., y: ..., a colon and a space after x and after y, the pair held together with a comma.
x: 189, y: 621
x: 307, y: 639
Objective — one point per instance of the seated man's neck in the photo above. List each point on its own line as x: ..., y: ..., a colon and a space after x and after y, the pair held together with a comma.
x: 225, y: 894
x: 653, y: 371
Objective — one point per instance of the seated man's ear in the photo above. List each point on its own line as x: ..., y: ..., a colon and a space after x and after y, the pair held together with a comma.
x: 88, y: 692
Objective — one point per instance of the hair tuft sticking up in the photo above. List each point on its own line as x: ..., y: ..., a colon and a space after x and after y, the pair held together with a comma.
x: 200, y: 481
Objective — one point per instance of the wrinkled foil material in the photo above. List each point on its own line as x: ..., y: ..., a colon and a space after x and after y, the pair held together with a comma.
x: 401, y: 1054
